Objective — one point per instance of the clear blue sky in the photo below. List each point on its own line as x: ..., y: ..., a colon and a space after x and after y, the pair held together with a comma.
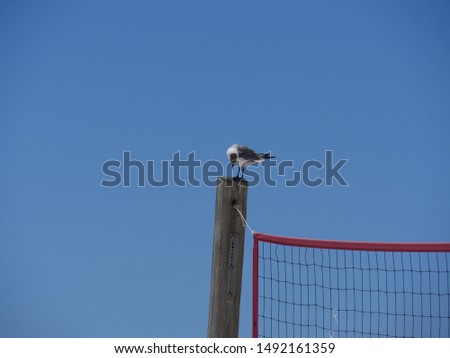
x: 83, y: 81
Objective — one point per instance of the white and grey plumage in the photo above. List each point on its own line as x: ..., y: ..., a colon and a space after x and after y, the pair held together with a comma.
x: 243, y: 156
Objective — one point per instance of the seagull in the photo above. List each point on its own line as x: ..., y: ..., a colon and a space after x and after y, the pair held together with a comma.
x: 243, y: 156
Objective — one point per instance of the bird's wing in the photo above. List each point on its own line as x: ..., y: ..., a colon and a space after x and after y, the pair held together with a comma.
x: 248, y: 153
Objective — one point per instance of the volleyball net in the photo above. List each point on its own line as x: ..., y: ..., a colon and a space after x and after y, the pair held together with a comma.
x: 320, y: 288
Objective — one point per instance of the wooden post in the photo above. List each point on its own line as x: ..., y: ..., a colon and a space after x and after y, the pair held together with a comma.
x: 228, y: 257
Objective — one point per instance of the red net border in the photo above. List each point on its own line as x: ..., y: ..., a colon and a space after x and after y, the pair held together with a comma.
x: 334, y: 245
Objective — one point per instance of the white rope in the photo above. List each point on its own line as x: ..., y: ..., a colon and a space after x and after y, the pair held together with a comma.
x: 335, y: 316
x: 244, y: 222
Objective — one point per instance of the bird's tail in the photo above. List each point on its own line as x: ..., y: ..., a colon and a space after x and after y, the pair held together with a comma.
x: 267, y: 155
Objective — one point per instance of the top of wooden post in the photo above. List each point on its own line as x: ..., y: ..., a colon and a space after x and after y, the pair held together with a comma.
x: 229, y: 182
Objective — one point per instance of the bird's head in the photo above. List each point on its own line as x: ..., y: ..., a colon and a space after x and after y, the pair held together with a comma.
x: 232, y: 154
